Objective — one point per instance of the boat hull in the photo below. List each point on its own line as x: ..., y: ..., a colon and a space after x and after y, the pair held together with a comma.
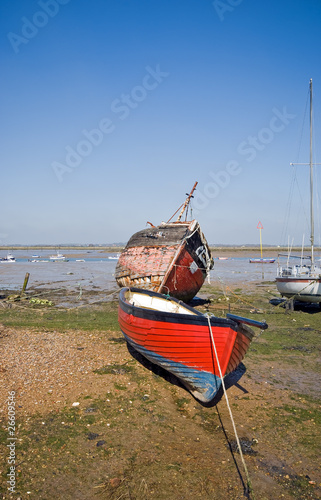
x: 181, y: 342
x: 171, y: 258
x: 262, y: 261
x: 302, y: 289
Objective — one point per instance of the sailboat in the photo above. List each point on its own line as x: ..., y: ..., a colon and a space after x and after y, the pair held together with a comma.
x: 302, y: 281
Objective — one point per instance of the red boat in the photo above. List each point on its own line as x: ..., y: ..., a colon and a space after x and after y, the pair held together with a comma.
x: 172, y: 258
x: 197, y: 349
x: 262, y: 261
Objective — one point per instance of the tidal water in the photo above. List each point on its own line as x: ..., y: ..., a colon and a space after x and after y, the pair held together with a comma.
x: 97, y: 271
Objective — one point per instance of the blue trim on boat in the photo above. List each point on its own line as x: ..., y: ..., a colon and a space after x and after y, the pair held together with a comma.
x: 203, y: 385
x: 247, y: 321
x: 197, y: 318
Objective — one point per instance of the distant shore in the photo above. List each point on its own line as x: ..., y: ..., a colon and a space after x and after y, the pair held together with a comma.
x: 215, y: 249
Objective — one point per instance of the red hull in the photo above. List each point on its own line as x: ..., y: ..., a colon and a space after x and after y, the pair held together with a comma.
x: 262, y: 261
x: 188, y: 344
x: 181, y: 341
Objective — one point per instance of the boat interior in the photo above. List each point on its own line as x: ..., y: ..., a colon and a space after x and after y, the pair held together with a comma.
x: 157, y: 303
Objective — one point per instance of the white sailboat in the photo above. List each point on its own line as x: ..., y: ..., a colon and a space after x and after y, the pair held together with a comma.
x: 302, y: 281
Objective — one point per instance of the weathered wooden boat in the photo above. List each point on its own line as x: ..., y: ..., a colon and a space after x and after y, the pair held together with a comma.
x: 197, y: 349
x: 262, y: 261
x: 172, y: 258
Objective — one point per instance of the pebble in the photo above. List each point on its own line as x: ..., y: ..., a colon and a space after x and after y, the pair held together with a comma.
x: 44, y: 366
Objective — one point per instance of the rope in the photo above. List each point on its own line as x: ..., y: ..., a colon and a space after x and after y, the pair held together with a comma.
x: 237, y: 296
x: 208, y: 259
x: 229, y: 408
x: 297, y: 296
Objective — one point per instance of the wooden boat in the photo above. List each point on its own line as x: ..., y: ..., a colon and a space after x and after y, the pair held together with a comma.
x: 184, y: 341
x: 172, y: 258
x: 262, y: 261
x: 302, y: 281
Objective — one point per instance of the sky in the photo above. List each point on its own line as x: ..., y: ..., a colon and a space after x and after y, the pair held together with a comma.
x: 111, y: 110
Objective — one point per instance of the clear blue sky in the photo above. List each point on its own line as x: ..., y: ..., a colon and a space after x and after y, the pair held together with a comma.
x: 112, y: 109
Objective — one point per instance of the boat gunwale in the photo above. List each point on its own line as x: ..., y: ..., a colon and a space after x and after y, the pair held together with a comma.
x: 171, y: 317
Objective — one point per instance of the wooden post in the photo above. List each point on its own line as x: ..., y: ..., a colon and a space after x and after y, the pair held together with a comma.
x: 25, y: 283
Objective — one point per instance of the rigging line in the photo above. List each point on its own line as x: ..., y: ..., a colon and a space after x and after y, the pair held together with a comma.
x: 237, y: 296
x: 303, y: 124
x: 302, y: 204
x: 316, y: 174
x: 317, y: 199
x: 286, y: 223
x: 228, y: 406
x: 175, y: 213
x: 297, y: 296
x: 294, y: 177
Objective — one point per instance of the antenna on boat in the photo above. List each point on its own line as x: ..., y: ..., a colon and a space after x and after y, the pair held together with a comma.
x: 184, y: 205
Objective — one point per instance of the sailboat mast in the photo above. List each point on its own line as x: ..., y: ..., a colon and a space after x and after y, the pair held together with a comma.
x: 311, y: 183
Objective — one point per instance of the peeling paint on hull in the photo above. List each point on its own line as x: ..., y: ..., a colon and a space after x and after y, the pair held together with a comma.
x: 170, y: 258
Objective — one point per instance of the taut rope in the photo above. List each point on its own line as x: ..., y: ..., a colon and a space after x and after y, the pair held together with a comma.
x: 228, y: 406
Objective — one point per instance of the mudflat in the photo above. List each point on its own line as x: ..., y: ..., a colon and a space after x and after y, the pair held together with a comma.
x: 95, y: 420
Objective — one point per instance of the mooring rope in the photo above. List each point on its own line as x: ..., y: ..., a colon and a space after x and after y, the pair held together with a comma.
x: 229, y: 408
x: 240, y: 299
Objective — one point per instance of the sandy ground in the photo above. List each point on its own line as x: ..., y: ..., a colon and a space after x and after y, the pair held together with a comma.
x: 157, y: 441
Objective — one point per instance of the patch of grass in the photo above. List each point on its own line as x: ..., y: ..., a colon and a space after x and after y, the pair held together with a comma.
x: 301, y: 421
x: 120, y: 387
x: 101, y: 318
x: 299, y: 415
x: 181, y: 402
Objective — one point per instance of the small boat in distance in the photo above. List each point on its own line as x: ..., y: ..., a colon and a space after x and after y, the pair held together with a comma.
x: 9, y: 259
x: 262, y: 261
x: 172, y: 258
x: 113, y: 257
x: 197, y: 349
x: 302, y: 281
x: 58, y: 258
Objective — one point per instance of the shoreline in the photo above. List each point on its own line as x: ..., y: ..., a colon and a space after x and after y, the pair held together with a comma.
x: 232, y: 249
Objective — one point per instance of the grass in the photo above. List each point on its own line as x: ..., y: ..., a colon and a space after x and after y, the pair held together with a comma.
x: 99, y: 318
x: 145, y: 438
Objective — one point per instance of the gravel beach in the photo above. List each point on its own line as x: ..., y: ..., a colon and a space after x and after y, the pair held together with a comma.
x: 93, y: 420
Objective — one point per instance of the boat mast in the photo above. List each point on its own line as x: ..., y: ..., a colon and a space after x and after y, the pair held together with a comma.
x: 311, y: 183
x: 187, y: 201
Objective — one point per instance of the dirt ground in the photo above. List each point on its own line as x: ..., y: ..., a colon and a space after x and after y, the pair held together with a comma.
x: 94, y: 420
